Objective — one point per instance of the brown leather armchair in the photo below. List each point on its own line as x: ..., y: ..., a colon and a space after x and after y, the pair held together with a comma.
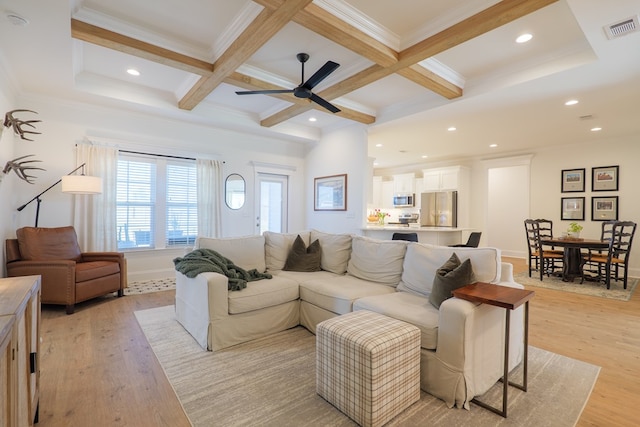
x: 68, y: 275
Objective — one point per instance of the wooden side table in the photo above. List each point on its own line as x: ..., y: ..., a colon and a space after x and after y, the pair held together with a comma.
x: 509, y: 299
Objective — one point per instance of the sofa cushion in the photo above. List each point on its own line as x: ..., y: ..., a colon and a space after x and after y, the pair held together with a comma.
x: 338, y: 295
x: 335, y: 249
x: 423, y: 260
x: 407, y: 307
x: 37, y: 243
x: 452, y: 275
x: 301, y: 258
x: 246, y: 252
x: 263, y: 293
x: 278, y: 246
x: 377, y: 260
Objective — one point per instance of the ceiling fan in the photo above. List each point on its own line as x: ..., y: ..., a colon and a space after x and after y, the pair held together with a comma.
x: 304, y: 89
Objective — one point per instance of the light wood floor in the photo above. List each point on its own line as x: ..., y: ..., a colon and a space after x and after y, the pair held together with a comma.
x: 98, y: 369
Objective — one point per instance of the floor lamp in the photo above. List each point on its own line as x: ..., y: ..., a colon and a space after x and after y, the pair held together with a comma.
x: 72, y: 184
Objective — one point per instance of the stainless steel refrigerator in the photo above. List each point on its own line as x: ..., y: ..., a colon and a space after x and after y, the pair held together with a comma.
x: 439, y: 209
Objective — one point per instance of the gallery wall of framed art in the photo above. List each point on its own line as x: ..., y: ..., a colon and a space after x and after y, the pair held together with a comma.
x: 603, y: 207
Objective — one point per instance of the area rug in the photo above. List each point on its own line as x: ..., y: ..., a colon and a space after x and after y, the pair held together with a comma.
x: 271, y: 382
x: 148, y: 286
x: 592, y: 288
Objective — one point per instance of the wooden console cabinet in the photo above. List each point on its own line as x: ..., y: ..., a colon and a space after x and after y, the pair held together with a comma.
x: 19, y: 350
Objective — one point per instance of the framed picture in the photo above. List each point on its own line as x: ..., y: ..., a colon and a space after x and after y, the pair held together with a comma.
x: 330, y: 193
x: 573, y: 180
x: 573, y: 208
x: 605, y: 178
x: 604, y: 208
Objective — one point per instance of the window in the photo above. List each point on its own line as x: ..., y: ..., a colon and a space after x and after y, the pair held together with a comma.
x: 156, y: 202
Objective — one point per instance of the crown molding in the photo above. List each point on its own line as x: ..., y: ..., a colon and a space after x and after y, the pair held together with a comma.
x: 352, y: 16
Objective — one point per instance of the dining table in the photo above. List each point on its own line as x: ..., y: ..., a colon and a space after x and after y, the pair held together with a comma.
x: 572, y: 260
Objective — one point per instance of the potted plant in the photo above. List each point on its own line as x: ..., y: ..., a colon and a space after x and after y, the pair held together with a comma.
x: 574, y: 230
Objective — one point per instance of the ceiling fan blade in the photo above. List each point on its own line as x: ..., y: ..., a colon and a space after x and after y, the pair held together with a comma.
x: 263, y: 92
x: 315, y: 98
x: 321, y: 74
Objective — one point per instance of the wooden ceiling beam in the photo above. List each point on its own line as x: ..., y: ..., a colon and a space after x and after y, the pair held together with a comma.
x: 251, y: 83
x: 320, y: 21
x: 257, y: 33
x: 476, y: 25
x: 432, y: 81
x: 105, y: 38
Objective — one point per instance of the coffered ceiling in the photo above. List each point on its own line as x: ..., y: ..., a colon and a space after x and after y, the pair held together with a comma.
x: 409, y: 69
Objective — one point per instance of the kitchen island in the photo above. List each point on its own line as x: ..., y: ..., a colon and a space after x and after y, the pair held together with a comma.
x: 443, y: 236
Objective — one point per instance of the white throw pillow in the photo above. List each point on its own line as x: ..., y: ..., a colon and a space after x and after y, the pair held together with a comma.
x: 377, y: 260
x: 335, y: 249
x: 423, y: 260
x: 277, y: 247
x: 246, y: 252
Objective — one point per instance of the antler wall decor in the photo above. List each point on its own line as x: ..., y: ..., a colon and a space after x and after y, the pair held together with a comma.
x: 21, y: 168
x: 16, y: 123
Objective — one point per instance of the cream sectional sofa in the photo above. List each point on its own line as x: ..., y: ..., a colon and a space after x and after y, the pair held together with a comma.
x: 462, y: 343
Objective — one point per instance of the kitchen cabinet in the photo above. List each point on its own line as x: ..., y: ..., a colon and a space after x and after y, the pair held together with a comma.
x: 376, y: 191
x: 418, y: 190
x: 440, y: 179
x: 382, y: 194
x: 404, y: 183
x: 19, y: 350
x: 386, y: 194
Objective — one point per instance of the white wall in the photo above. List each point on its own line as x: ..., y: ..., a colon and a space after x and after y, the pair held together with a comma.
x: 341, y: 151
x: 7, y: 138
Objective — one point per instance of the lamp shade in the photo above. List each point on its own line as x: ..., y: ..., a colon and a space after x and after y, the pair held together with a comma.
x: 81, y: 184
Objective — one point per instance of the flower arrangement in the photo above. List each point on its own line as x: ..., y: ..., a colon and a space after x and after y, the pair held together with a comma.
x: 574, y: 230
x: 380, y: 216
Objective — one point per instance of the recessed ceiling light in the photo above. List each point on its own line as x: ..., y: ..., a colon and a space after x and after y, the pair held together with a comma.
x: 424, y: 156
x: 523, y: 38
x: 493, y: 145
x: 133, y: 72
x: 375, y: 163
x: 596, y: 129
x: 312, y: 119
x: 571, y: 102
x: 451, y: 129
x: 378, y: 145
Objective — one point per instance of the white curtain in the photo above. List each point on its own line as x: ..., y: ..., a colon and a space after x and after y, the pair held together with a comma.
x: 209, y: 176
x: 94, y: 217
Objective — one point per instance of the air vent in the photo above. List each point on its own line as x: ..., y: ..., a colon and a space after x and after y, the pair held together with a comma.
x: 622, y: 28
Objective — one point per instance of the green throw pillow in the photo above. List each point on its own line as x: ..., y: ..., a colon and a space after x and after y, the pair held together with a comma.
x: 452, y: 275
x: 301, y: 258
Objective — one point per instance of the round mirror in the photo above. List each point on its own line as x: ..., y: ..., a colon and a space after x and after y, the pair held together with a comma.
x: 234, y: 191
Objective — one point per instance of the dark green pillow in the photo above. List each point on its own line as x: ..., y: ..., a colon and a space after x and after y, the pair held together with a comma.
x: 452, y: 275
x: 301, y: 258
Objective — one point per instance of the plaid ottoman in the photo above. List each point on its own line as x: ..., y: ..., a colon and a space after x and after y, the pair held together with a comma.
x: 368, y: 365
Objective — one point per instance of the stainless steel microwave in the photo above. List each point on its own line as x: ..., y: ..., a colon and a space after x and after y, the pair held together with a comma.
x: 404, y: 200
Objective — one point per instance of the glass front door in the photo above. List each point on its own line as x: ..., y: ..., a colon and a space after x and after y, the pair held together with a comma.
x: 272, y: 201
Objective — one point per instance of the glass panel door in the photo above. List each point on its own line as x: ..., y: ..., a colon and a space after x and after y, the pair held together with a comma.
x: 272, y: 201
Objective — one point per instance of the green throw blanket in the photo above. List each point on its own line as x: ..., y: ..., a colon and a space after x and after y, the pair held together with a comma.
x: 203, y: 260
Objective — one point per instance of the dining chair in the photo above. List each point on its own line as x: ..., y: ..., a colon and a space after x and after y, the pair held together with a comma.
x: 472, y: 242
x: 607, y: 265
x: 545, y: 261
x: 411, y: 237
